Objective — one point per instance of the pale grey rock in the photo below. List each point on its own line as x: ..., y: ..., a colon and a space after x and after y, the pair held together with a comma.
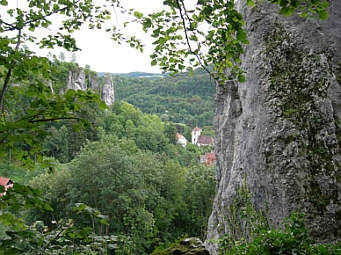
x: 281, y: 129
x: 93, y: 83
x: 108, y: 95
x: 76, y: 80
x: 49, y: 83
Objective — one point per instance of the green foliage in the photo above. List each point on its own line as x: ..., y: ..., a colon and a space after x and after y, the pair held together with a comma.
x: 17, y: 172
x: 200, y: 192
x: 306, y: 8
x: 182, y: 246
x: 147, y: 189
x: 64, y: 238
x: 170, y: 133
x: 210, y: 35
x: 181, y: 99
x: 144, y: 191
x: 251, y: 233
x: 292, y: 239
x: 24, y: 75
x: 243, y: 219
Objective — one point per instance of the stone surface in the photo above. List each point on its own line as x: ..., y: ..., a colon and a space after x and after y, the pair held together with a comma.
x: 108, y: 95
x: 188, y: 246
x: 76, y: 80
x: 93, y: 83
x: 281, y: 129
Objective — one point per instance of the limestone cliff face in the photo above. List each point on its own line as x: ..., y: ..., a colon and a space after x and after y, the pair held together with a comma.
x: 281, y: 129
x: 77, y: 80
x: 108, y: 95
x: 94, y: 84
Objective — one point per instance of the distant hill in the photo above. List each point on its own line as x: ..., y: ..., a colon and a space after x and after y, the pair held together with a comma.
x: 136, y: 75
x: 182, y: 99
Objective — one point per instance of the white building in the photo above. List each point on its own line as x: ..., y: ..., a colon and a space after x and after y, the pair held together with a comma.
x: 181, y: 139
x: 201, y: 140
x: 195, y: 135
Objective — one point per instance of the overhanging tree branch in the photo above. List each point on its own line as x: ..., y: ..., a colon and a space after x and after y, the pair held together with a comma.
x: 187, y: 37
x: 12, y: 27
x: 8, y: 76
x: 54, y: 119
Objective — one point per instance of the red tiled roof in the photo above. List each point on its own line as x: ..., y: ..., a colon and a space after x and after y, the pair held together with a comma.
x: 4, y: 181
x: 197, y: 129
x: 209, y: 158
x: 204, y: 139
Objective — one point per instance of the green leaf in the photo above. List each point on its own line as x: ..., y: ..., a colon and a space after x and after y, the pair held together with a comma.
x: 323, y: 15
x: 241, y: 78
x: 207, y: 10
x: 304, y: 14
x: 241, y: 36
x: 324, y: 5
x: 4, y: 2
x: 138, y: 15
x: 250, y: 3
x: 287, y: 11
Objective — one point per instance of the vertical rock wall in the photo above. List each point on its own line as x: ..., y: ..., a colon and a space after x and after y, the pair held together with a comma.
x: 77, y: 81
x: 108, y: 95
x: 281, y: 129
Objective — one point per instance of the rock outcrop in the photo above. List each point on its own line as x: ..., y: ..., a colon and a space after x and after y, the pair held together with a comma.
x: 78, y: 80
x: 94, y: 84
x: 188, y: 246
x: 281, y: 129
x: 108, y: 95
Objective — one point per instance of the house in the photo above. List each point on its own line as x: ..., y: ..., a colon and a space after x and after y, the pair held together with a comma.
x: 180, y: 139
x: 205, y: 140
x: 195, y: 134
x: 6, y: 183
x: 209, y: 158
x: 201, y: 140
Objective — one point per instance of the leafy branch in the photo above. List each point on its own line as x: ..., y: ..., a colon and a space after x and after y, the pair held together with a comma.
x: 180, y: 7
x: 223, y: 42
x: 8, y: 76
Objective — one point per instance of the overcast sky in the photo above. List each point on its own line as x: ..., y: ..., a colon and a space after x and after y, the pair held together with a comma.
x: 104, y: 55
x: 98, y: 50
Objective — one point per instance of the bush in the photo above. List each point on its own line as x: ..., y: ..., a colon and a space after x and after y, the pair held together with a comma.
x: 292, y: 239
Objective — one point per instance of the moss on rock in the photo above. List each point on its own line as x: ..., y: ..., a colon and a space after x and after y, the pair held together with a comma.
x: 188, y: 246
x: 299, y: 82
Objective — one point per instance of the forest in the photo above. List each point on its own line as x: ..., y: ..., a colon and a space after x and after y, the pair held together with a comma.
x: 185, y: 98
x: 125, y: 164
